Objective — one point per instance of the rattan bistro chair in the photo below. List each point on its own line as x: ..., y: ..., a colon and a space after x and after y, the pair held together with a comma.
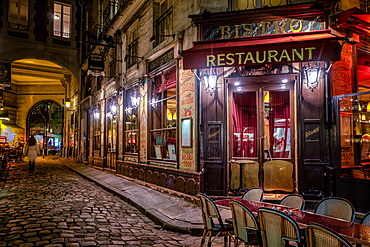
x: 254, y: 194
x: 319, y: 236
x: 294, y: 201
x: 278, y: 229
x: 366, y: 219
x: 246, y: 228
x: 336, y: 207
x: 213, y: 222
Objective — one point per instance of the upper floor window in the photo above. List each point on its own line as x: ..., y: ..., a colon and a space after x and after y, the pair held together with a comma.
x: 163, y: 24
x: 132, y: 48
x: 62, y: 20
x: 18, y: 14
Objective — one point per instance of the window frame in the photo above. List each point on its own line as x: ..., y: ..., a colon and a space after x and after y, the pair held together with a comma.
x: 131, y: 110
x: 18, y: 24
x: 62, y: 17
x: 162, y: 134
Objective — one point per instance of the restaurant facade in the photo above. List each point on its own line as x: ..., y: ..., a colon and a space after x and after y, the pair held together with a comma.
x: 274, y: 95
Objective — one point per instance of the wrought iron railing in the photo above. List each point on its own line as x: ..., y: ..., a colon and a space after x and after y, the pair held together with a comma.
x: 132, y: 54
x: 163, y: 27
x: 17, y: 26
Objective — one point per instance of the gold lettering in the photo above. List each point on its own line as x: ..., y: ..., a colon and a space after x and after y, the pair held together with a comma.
x: 211, y: 59
x: 294, y: 23
x: 248, y: 32
x: 264, y: 24
x: 221, y: 59
x: 258, y: 57
x: 230, y: 59
x: 284, y: 55
x: 225, y: 30
x: 310, y: 52
x: 249, y: 57
x: 278, y: 27
x: 239, y: 54
x: 295, y: 52
x: 272, y: 54
x: 236, y: 31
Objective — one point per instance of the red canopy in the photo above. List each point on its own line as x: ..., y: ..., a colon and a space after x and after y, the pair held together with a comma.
x: 269, y: 49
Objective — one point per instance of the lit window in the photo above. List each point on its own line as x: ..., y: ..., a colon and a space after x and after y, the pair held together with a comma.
x: 131, y: 120
x: 62, y: 20
x: 164, y: 117
x: 18, y: 14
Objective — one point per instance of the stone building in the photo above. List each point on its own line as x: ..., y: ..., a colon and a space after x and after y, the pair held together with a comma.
x: 39, y: 52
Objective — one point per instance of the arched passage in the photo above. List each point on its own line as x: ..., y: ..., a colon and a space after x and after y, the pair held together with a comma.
x: 45, y: 122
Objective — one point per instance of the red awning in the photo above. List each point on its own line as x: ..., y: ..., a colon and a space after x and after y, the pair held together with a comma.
x: 269, y: 49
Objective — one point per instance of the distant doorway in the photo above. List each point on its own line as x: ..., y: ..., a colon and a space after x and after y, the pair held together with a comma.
x: 45, y: 122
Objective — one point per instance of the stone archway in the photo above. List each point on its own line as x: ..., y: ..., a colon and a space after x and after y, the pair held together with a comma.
x: 45, y: 122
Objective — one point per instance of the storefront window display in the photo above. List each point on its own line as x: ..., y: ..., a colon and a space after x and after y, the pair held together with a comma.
x: 112, y: 125
x: 97, y: 128
x: 164, y: 117
x: 354, y: 120
x: 131, y: 120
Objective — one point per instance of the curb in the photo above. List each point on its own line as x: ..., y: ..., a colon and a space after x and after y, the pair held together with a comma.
x: 159, y: 218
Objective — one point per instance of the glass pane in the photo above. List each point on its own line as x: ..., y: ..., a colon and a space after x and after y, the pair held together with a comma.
x: 13, y: 12
x: 278, y: 175
x: 171, y: 144
x: 66, y: 26
x: 355, y: 136
x: 23, y: 18
x: 171, y: 113
x: 277, y: 123
x: 57, y: 8
x: 131, y: 142
x: 244, y: 124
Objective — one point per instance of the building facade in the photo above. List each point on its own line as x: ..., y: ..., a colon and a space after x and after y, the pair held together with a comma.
x: 192, y: 96
x: 39, y: 58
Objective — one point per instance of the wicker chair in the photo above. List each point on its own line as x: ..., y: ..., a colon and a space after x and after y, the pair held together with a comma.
x: 336, y: 207
x: 278, y: 229
x: 294, y: 201
x: 318, y: 236
x: 213, y: 222
x: 254, y: 194
x: 246, y: 228
x: 366, y: 219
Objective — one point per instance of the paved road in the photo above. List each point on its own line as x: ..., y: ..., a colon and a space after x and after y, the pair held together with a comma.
x: 53, y: 206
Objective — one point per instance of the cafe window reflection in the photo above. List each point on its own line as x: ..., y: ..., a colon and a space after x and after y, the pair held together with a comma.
x: 131, y: 120
x: 354, y: 113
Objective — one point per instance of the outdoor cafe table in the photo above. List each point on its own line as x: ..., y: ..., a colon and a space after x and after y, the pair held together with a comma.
x: 352, y: 231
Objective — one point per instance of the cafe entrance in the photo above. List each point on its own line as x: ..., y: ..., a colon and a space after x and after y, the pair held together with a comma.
x: 262, y: 130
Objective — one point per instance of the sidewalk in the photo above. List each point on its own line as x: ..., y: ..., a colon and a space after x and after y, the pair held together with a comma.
x: 173, y: 213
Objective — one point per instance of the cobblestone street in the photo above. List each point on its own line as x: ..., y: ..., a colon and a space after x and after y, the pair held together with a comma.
x: 53, y: 206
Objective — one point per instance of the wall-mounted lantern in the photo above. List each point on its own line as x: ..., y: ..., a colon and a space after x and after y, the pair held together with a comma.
x: 210, y: 81
x: 68, y: 103
x: 113, y: 107
x: 96, y: 114
x: 312, y: 74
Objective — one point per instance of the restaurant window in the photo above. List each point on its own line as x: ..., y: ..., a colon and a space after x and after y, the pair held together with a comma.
x: 163, y: 24
x: 354, y: 135
x: 131, y: 120
x: 97, y: 128
x: 164, y: 117
x: 132, y: 48
x: 62, y: 20
x: 112, y: 124
x: 18, y: 14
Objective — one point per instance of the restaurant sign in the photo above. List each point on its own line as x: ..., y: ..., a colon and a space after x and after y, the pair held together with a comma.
x: 262, y: 28
x: 96, y: 62
x: 242, y: 54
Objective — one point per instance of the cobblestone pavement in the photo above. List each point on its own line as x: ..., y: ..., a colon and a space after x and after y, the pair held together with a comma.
x: 53, y: 206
